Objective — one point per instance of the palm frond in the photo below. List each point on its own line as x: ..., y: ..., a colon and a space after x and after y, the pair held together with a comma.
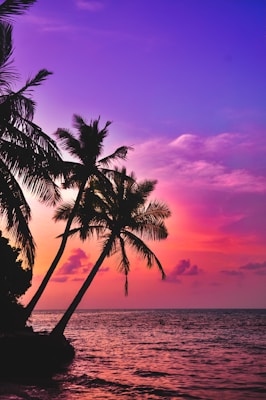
x: 9, y: 8
x: 42, y: 187
x: 124, y: 263
x: 37, y: 80
x: 136, y: 243
x: 7, y: 74
x: 33, y: 169
x: 71, y: 232
x: 156, y: 210
x: 63, y: 211
x: 68, y: 142
x: 151, y: 230
x: 78, y: 122
x: 119, y: 154
x: 146, y: 187
x: 16, y: 211
x: 16, y: 110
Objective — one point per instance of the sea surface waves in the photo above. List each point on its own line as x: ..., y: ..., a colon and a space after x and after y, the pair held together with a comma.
x: 155, y: 354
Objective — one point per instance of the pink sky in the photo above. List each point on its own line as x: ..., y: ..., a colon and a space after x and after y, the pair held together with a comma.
x: 184, y: 83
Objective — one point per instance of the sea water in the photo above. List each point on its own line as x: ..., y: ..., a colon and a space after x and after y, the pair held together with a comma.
x: 155, y: 354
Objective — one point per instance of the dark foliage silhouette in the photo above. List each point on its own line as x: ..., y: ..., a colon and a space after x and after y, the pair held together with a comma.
x: 14, y: 282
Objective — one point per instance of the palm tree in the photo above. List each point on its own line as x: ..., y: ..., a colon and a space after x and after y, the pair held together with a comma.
x: 28, y: 157
x: 128, y: 218
x: 87, y: 148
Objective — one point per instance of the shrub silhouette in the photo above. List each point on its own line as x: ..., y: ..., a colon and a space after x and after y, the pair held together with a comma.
x: 14, y: 282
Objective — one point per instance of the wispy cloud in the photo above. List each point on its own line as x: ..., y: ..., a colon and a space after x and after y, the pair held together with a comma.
x: 90, y: 5
x: 213, y: 179
x: 206, y: 146
x: 47, y: 24
x: 218, y: 162
x: 232, y: 272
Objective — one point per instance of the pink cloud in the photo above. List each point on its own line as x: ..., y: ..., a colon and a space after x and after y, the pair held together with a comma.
x: 76, y: 268
x: 60, y: 279
x: 218, y: 181
x: 218, y: 162
x: 77, y: 264
x: 183, y: 268
x: 192, y: 145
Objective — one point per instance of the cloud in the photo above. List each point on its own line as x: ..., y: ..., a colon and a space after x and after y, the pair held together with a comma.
x: 234, y: 273
x: 183, y: 268
x: 104, y: 269
x: 90, y: 5
x: 257, y: 268
x: 60, y: 279
x: 219, y: 181
x: 49, y: 24
x: 261, y: 272
x: 254, y: 266
x: 75, y: 267
x: 223, y: 162
x: 187, y: 143
x: 206, y: 146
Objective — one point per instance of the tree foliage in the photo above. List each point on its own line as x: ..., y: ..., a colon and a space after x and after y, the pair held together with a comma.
x: 29, y: 159
x: 14, y: 282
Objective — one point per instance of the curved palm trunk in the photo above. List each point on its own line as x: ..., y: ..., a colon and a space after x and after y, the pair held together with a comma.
x: 61, y: 325
x: 30, y: 307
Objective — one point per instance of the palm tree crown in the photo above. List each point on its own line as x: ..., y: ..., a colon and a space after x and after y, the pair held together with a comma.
x: 86, y: 146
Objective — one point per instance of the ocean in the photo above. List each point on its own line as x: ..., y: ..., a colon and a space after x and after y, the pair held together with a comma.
x: 155, y: 354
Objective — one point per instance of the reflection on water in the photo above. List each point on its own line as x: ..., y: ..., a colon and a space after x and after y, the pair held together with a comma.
x: 157, y: 354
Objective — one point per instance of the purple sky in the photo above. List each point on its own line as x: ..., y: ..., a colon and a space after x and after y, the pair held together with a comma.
x: 184, y: 83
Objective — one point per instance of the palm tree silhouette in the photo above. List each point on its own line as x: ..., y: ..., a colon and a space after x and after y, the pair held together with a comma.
x: 87, y: 147
x: 125, y: 215
x: 28, y: 157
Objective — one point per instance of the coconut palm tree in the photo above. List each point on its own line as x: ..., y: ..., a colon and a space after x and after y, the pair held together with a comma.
x: 87, y: 147
x: 28, y: 157
x: 127, y: 218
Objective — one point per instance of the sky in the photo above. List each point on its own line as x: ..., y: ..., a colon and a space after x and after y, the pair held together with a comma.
x: 183, y: 82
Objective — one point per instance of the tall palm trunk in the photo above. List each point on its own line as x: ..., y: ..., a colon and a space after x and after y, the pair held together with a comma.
x: 30, y: 307
x: 61, y: 325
